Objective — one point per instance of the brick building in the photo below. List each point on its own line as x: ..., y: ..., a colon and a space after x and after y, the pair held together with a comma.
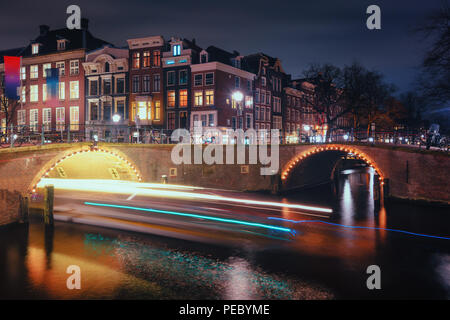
x: 177, y: 74
x: 222, y: 92
x: 269, y: 83
x: 107, y: 114
x: 66, y: 50
x: 146, y: 80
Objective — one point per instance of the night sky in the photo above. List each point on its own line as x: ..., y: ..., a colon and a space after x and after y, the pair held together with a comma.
x: 298, y: 32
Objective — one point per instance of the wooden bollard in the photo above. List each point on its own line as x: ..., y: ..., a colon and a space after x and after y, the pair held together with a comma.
x: 24, y: 209
x: 49, y: 192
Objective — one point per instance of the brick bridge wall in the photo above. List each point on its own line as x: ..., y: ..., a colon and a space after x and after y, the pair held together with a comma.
x: 410, y: 174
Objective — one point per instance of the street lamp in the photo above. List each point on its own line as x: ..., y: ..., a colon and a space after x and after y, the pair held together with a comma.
x: 345, y: 137
x: 116, y: 117
x: 238, y: 96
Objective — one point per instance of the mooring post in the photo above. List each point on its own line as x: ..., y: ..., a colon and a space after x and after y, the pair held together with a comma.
x: 24, y: 209
x: 49, y: 192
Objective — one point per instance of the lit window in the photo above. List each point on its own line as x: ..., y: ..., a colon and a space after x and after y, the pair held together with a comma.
x: 44, y: 92
x: 47, y: 119
x: 23, y: 73
x: 34, y: 93
x: 21, y: 114
x: 183, y: 98
x: 74, y: 67
x: 74, y: 118
x: 34, y: 119
x: 62, y: 91
x: 61, y: 67
x: 61, y: 44
x: 171, y: 98
x: 46, y: 67
x: 74, y: 90
x: 248, y: 101
x: 209, y: 97
x: 34, y: 73
x: 146, y: 59
x: 136, y: 60
x: 176, y: 50
x: 198, y: 98
x: 157, y: 110
x: 156, y: 58
x: 35, y: 48
x: 60, y: 118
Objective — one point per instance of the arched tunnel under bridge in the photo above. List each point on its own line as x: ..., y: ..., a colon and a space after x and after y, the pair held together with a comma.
x: 322, y: 165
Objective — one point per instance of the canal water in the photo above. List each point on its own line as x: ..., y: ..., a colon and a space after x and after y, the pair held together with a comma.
x: 327, y: 259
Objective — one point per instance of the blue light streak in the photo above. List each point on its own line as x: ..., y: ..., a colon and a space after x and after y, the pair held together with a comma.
x: 190, y: 215
x: 358, y: 227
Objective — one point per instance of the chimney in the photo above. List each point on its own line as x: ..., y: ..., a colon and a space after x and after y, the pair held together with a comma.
x: 43, y: 29
x: 84, y: 24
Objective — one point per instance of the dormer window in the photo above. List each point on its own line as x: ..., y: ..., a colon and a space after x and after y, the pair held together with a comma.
x: 204, y: 57
x: 107, y: 67
x: 35, y: 48
x: 61, y: 44
x: 176, y: 49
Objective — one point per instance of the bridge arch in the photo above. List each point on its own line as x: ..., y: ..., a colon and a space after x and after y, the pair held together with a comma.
x: 300, y: 159
x: 88, y: 162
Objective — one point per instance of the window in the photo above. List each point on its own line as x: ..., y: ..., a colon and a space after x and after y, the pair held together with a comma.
x: 94, y: 111
x: 171, y: 98
x: 156, y: 58
x: 176, y: 49
x: 248, y: 101
x: 233, y: 123
x: 157, y: 110
x: 62, y: 91
x: 204, y: 58
x: 74, y: 90
x: 45, y: 67
x: 24, y: 95
x: 136, y: 60
x: 248, y: 121
x: 209, y: 79
x: 34, y: 119
x: 35, y: 48
x: 198, y: 80
x: 256, y: 113
x: 106, y: 86
x: 257, y: 96
x: 268, y: 100
x: 209, y: 97
x: 120, y: 86
x: 268, y: 114
x: 34, y: 93
x: 198, y: 98
x: 211, y: 120
x: 60, y: 118
x: 34, y: 73
x: 203, y: 117
x: 47, y: 119
x: 146, y: 83
x: 74, y: 118
x: 107, y: 109
x: 107, y: 67
x: 183, y: 119
x: 171, y: 78
x: 263, y: 81
x: 237, y: 82
x: 249, y: 85
x: 44, y: 92
x: 93, y: 88
x: 135, y: 84
x: 183, y: 98
x: 74, y: 67
x: 171, y: 120
x: 156, y: 83
x: 21, y: 114
x: 183, y: 76
x: 146, y: 59
x: 23, y: 73
x: 62, y: 68
x: 61, y: 44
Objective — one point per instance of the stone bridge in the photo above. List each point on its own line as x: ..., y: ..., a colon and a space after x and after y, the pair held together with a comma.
x: 402, y: 172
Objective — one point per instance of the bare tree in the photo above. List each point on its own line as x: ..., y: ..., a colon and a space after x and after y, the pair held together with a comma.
x: 435, y: 78
x: 325, y: 95
x: 8, y: 110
